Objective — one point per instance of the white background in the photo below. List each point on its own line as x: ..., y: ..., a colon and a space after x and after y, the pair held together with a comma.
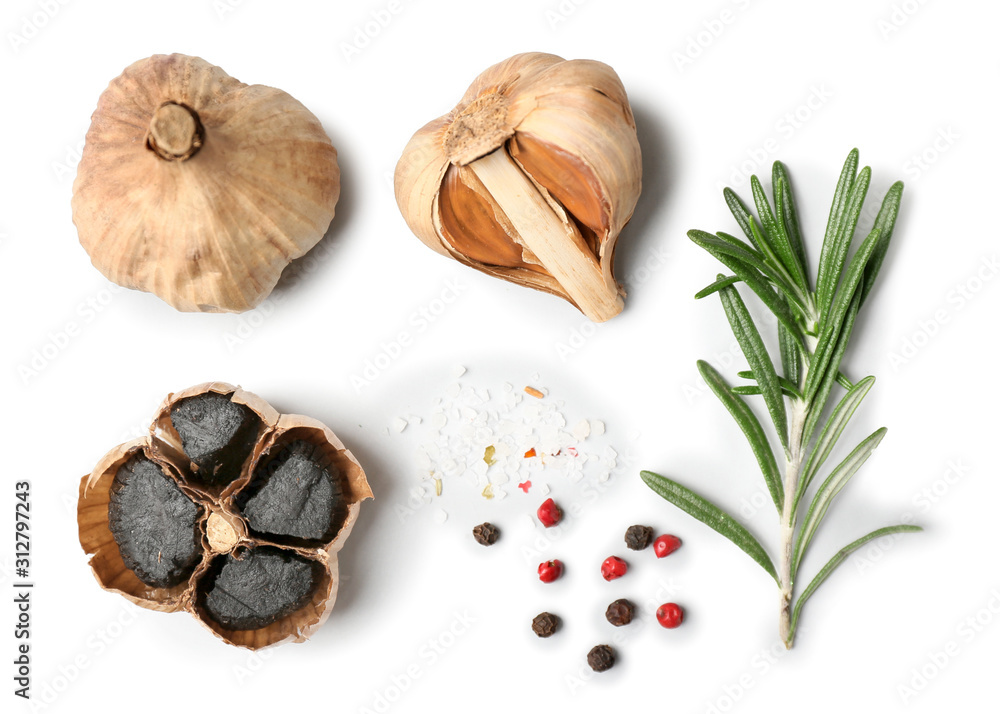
x: 712, y: 93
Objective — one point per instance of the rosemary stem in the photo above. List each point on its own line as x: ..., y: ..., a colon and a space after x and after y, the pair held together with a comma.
x: 793, y: 469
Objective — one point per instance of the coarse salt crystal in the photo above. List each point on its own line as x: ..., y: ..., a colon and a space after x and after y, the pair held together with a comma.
x: 399, y: 424
x: 582, y: 430
x: 458, y: 371
x: 597, y: 427
x: 440, y: 516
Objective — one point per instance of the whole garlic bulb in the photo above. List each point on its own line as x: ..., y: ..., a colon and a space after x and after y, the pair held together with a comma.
x: 530, y: 178
x: 200, y: 188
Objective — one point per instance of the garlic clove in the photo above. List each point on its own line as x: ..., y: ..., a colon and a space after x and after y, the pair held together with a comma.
x: 530, y: 178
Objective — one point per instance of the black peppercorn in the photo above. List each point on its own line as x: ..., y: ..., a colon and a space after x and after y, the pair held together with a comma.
x: 620, y: 612
x: 601, y: 658
x: 486, y: 534
x: 638, y: 537
x: 545, y: 624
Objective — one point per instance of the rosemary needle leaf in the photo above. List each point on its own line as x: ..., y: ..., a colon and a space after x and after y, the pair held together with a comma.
x: 844, y: 238
x: 752, y: 429
x: 712, y: 516
x: 839, y: 558
x: 754, y: 280
x: 841, y: 379
x: 831, y: 433
x: 837, y: 211
x: 828, y: 491
x: 885, y: 221
x: 760, y: 361
x: 788, y: 214
x: 834, y: 320
x: 752, y: 390
x: 775, y: 238
x: 818, y: 402
x: 730, y: 245
x: 740, y: 213
x: 791, y: 355
x: 790, y: 388
x: 721, y: 282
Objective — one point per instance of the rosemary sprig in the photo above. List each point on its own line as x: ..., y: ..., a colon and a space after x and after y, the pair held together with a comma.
x: 814, y: 328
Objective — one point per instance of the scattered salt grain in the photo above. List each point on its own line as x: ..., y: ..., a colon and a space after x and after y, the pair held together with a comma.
x: 526, y: 439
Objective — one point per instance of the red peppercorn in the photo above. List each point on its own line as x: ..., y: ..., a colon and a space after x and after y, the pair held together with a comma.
x: 549, y: 513
x: 670, y: 615
x: 613, y: 568
x: 550, y: 570
x: 665, y: 545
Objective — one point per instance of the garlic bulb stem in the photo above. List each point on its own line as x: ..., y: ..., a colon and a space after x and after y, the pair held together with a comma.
x: 542, y: 232
x: 175, y: 132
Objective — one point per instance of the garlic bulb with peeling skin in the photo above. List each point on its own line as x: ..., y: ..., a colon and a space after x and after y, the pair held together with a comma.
x: 530, y: 178
x: 200, y: 188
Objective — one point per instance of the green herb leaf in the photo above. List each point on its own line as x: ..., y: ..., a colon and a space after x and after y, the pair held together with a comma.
x: 837, y: 212
x: 844, y: 239
x: 836, y: 560
x: 788, y: 214
x: 775, y: 242
x: 831, y: 433
x: 818, y: 403
x: 725, y: 244
x: 833, y: 322
x: 712, y: 516
x: 885, y: 221
x: 755, y: 281
x: 722, y: 281
x: 742, y: 215
x: 791, y: 355
x: 790, y: 388
x: 760, y: 361
x: 841, y: 379
x: 752, y: 390
x: 752, y: 429
x: 830, y: 488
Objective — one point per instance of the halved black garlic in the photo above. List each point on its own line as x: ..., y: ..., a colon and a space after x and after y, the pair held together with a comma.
x: 227, y: 510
